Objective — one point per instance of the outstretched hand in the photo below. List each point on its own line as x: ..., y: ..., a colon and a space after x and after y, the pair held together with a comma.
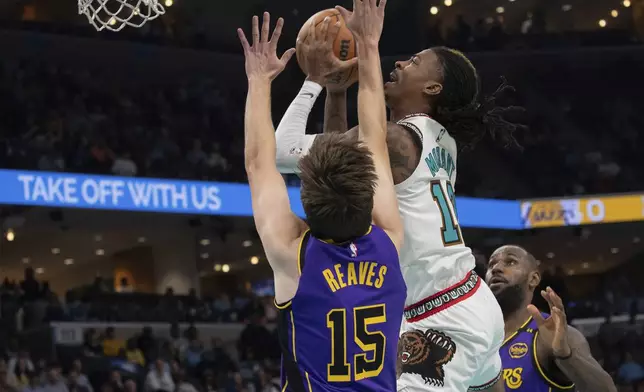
x: 320, y: 62
x: 366, y: 20
x: 553, y: 330
x: 261, y: 58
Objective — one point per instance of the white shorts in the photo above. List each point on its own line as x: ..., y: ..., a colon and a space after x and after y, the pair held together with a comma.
x: 450, y: 342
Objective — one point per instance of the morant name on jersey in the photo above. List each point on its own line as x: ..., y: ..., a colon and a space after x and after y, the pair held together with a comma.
x: 440, y: 158
x: 340, y: 331
x: 434, y: 256
x: 521, y: 371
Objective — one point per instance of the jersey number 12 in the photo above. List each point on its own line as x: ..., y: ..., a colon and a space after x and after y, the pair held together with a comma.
x: 450, y: 231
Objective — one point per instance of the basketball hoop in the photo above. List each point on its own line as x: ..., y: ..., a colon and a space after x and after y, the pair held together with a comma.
x: 116, y: 14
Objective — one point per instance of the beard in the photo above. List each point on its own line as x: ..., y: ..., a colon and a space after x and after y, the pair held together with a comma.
x: 511, y: 298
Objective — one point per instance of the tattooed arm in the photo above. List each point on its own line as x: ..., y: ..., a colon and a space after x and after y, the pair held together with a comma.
x: 335, y: 111
x: 404, y: 150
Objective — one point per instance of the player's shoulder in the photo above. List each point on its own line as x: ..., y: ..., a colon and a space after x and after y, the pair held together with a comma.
x: 420, y: 122
x: 428, y: 130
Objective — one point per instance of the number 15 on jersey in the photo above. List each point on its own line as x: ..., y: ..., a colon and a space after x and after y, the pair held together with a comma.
x: 446, y: 201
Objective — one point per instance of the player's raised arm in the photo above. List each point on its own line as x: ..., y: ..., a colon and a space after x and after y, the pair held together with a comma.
x: 276, y: 224
x: 321, y: 66
x: 365, y: 22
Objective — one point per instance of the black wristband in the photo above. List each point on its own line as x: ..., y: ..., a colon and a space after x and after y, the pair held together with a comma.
x: 564, y: 358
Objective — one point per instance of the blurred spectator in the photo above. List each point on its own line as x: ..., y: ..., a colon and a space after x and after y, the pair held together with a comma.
x: 217, y: 358
x: 22, y: 368
x: 92, y: 345
x: 30, y: 286
x: 182, y: 383
x: 116, y: 381
x: 54, y: 381
x: 111, y: 345
x: 178, y: 343
x: 147, y: 344
x: 130, y: 386
x: 124, y: 285
x: 74, y: 384
x: 7, y: 380
x: 159, y: 378
x: 267, y: 383
x: 124, y: 166
x: 253, y: 340
x: 80, y: 377
x: 630, y: 372
x: 193, y: 354
x: 133, y: 354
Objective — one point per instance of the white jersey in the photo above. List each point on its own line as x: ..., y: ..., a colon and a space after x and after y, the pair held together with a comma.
x: 434, y: 256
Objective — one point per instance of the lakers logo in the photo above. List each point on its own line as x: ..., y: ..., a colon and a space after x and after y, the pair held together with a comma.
x: 513, y: 378
x: 518, y: 350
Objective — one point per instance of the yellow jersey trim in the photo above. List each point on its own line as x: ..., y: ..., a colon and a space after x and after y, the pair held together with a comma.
x: 540, y: 370
x: 299, y: 251
x: 517, y: 331
x: 285, y: 386
x: 293, y: 336
x: 283, y: 306
x: 308, y: 381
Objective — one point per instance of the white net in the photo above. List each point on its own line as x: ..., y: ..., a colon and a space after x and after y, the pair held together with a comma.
x: 116, y: 14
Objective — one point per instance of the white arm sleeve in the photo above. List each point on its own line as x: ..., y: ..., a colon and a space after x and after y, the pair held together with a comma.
x: 292, y: 140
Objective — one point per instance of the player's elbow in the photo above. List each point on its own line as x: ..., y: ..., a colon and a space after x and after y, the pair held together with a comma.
x: 251, y: 163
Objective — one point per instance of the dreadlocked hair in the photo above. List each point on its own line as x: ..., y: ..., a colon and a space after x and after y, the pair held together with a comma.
x: 461, y: 110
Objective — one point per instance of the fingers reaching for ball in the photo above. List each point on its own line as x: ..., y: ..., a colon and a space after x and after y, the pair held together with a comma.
x: 261, y: 57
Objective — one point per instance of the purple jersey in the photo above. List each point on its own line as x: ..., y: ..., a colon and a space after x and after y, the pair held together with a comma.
x: 340, y: 331
x: 521, y: 371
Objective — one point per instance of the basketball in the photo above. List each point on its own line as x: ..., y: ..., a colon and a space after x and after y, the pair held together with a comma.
x: 344, y: 46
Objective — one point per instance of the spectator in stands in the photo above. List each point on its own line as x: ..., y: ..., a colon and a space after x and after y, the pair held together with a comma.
x: 74, y: 384
x: 30, y: 286
x: 208, y: 381
x: 255, y: 338
x: 116, y: 381
x: 237, y: 384
x: 8, y: 381
x: 147, y: 344
x: 193, y: 354
x: 266, y: 383
x: 111, y: 345
x: 182, y: 383
x: 222, y: 307
x: 178, y: 343
x: 133, y: 354
x: 124, y: 286
x: 217, y: 358
x: 92, y: 345
x: 22, y: 368
x: 81, y: 378
x: 159, y: 378
x: 630, y: 372
x: 54, y: 381
x: 21, y: 359
x: 129, y: 385
x: 124, y: 166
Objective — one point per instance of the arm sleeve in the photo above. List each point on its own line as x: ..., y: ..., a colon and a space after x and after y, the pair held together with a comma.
x: 292, y: 140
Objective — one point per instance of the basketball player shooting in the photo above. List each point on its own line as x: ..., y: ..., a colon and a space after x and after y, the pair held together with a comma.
x: 338, y: 284
x: 541, y: 352
x: 453, y: 327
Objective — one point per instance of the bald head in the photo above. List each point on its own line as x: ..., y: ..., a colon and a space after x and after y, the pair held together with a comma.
x: 512, y: 274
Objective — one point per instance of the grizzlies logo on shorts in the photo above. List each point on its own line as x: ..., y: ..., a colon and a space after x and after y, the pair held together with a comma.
x: 425, y: 354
